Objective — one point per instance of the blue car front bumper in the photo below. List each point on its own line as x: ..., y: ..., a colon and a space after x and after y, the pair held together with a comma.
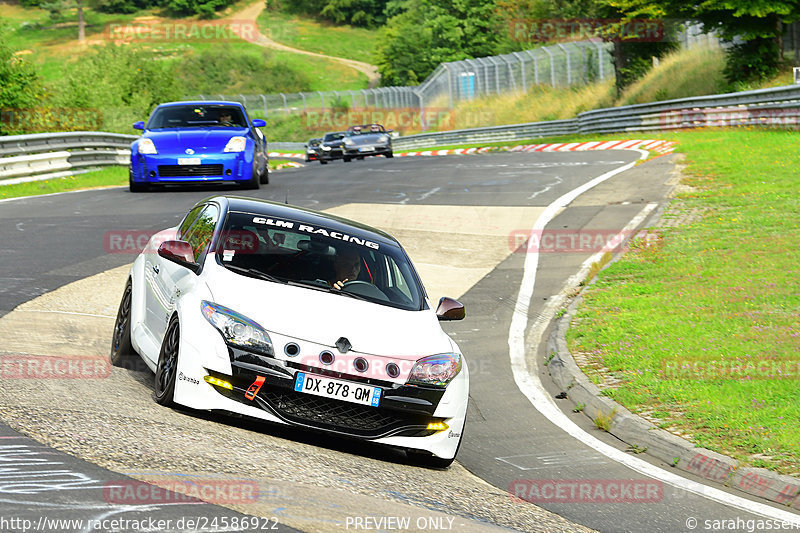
x: 170, y: 168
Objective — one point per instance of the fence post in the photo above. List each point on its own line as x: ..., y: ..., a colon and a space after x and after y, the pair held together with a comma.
x: 569, y: 64
x: 321, y: 100
x: 285, y: 106
x: 303, y: 96
x: 600, y: 52
x: 449, y: 84
x: 264, y: 101
x: 521, y: 59
x: 510, y: 72
x: 552, y: 67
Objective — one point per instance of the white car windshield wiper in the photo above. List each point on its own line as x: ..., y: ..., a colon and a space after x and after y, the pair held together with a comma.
x: 255, y: 273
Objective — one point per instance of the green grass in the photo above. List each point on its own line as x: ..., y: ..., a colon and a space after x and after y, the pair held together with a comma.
x: 324, y: 74
x: 306, y: 34
x: 722, y: 288
x: 105, y: 177
x: 52, y: 46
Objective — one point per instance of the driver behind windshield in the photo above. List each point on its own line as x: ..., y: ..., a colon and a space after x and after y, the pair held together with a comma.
x: 346, y: 267
x: 225, y: 118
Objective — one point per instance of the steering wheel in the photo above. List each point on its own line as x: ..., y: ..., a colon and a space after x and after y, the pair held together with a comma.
x: 364, y: 288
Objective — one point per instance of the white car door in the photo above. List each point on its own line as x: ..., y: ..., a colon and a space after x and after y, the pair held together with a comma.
x: 166, y: 279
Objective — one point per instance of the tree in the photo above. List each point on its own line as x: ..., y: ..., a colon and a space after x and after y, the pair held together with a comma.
x: 753, y: 29
x: 430, y: 32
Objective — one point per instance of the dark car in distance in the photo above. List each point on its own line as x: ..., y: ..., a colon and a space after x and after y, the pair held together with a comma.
x: 331, y: 147
x: 312, y: 149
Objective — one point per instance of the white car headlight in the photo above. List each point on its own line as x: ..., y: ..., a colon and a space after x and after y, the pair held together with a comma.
x: 326, y: 148
x: 348, y: 141
x: 146, y: 146
x: 236, y: 329
x: 437, y: 370
x: 383, y: 138
x: 236, y: 144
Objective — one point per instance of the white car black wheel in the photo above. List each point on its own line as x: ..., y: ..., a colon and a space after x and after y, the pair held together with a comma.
x: 121, y: 347
x: 167, y: 369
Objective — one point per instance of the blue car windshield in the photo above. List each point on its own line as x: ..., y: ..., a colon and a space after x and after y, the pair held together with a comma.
x: 196, y: 116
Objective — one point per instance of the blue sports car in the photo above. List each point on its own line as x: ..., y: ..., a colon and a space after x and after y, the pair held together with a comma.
x: 207, y: 142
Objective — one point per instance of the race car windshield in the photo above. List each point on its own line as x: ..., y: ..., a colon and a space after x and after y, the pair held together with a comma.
x: 317, y: 257
x: 196, y: 116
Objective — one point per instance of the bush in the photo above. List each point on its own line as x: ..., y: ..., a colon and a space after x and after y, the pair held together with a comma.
x: 19, y: 83
x: 226, y: 69
x: 121, y: 83
x: 752, y: 61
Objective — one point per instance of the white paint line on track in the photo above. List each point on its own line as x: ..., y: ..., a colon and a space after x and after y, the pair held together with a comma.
x: 532, y: 388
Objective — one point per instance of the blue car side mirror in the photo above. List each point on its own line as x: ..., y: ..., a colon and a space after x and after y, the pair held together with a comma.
x: 258, y: 123
x: 138, y: 125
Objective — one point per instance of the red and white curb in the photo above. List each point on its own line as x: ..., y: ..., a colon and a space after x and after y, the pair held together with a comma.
x: 662, y: 147
x: 291, y: 155
x: 455, y: 151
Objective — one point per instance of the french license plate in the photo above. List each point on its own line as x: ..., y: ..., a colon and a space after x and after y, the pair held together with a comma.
x: 337, y: 389
x: 367, y: 149
x: 188, y: 160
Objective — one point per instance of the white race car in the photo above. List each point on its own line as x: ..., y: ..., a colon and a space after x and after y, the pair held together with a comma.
x: 296, y: 317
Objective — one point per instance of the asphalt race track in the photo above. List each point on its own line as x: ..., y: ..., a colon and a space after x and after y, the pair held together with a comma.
x: 462, y: 220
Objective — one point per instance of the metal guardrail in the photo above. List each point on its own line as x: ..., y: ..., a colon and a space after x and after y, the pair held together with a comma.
x: 530, y: 130
x: 59, y: 154
x: 54, y: 153
x: 778, y: 106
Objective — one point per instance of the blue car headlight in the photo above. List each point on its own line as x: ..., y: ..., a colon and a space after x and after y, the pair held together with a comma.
x: 236, y: 144
x: 436, y: 370
x: 147, y: 147
x: 236, y: 329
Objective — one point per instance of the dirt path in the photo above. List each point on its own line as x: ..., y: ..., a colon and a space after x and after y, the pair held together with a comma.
x: 251, y: 12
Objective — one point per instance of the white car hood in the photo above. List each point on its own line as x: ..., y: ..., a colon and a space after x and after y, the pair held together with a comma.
x: 322, y: 317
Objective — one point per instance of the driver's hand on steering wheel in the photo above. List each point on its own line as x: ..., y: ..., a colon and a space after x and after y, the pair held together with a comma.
x: 339, y: 284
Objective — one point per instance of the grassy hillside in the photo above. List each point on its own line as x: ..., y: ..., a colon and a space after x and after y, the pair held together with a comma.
x: 306, y: 34
x: 54, y: 49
